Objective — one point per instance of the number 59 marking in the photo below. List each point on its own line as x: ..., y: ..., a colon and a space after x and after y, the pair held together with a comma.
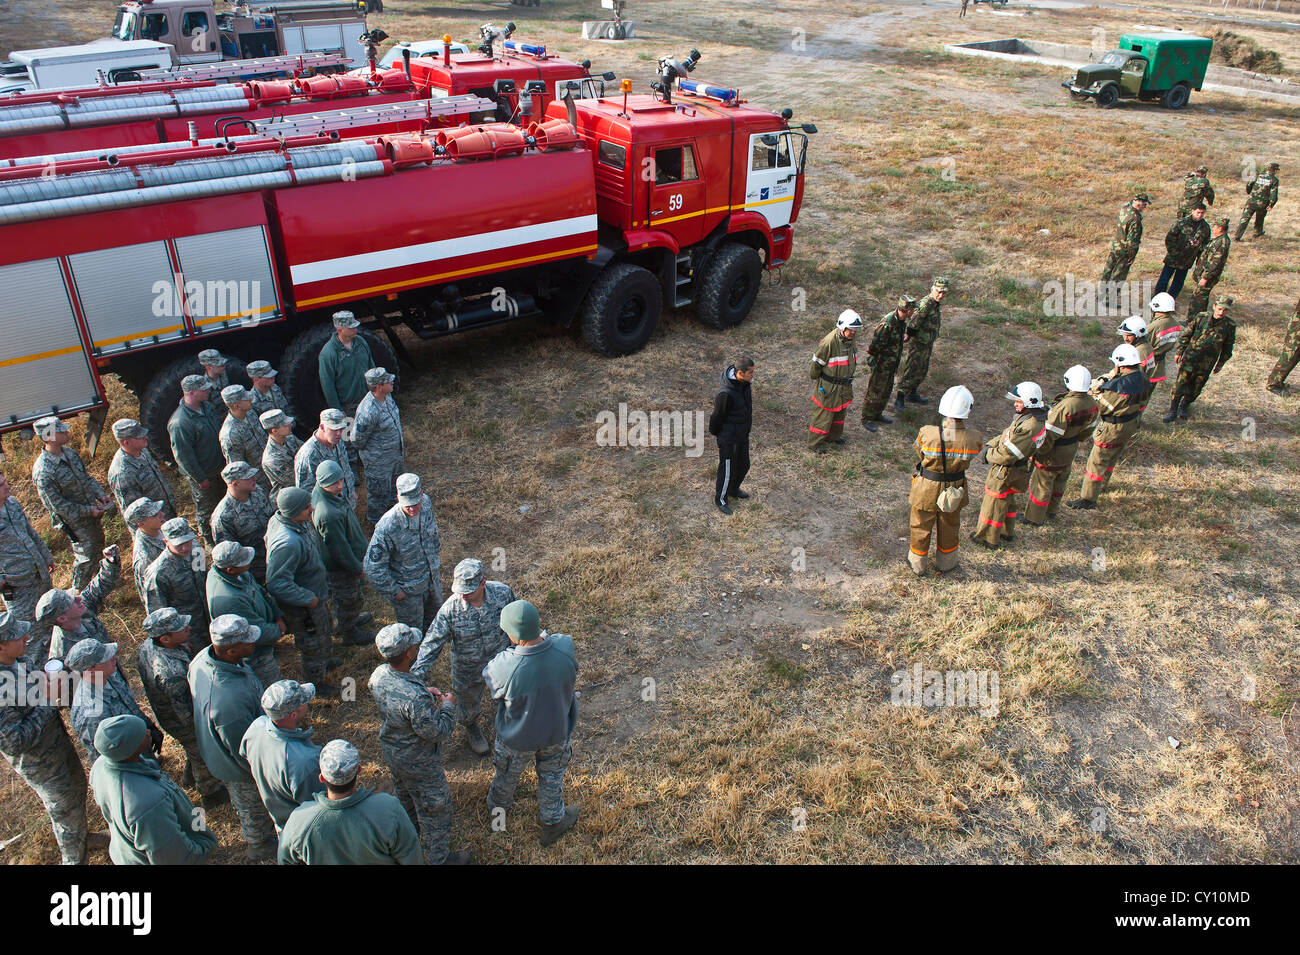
x: 674, y: 202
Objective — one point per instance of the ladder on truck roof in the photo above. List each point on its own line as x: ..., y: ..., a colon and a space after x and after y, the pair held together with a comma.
x: 294, y: 63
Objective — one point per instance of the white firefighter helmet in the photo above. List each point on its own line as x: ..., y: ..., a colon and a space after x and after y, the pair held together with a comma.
x: 1077, y: 378
x: 849, y: 319
x: 1133, y: 325
x: 1125, y: 355
x: 1162, y: 302
x: 1029, y: 393
x: 956, y: 402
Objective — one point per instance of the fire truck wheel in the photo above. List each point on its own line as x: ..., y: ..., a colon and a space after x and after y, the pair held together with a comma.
x: 729, y: 282
x: 621, y: 310
x: 163, y: 394
x: 300, y: 371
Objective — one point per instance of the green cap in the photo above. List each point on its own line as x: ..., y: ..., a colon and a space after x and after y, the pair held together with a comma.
x: 292, y: 501
x: 119, y: 737
x: 327, y: 472
x: 520, y: 620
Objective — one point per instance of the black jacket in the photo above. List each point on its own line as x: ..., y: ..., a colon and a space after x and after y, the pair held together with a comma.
x: 733, y: 408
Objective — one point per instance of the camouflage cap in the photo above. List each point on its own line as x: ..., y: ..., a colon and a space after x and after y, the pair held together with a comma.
x: 1202, y: 170
x: 345, y: 320
x: 11, y: 628
x: 409, y: 490
x: 1223, y: 300
x: 282, y: 698
x: 210, y: 356
x: 469, y: 574
x: 120, y: 737
x: 230, y: 628
x: 260, y: 369
x: 940, y: 283
x: 333, y: 419
x: 1141, y: 197
x: 339, y: 762
x: 520, y: 620
x: 165, y: 620
x: 177, y: 531
x: 275, y: 418
x: 124, y: 428
x: 53, y: 604
x: 232, y: 393
x: 1275, y: 165
x: 292, y: 501
x: 141, y: 508
x: 229, y: 554
x: 379, y: 376
x: 50, y: 423
x: 1223, y: 221
x: 195, y: 383
x: 238, y: 471
x: 906, y: 302
x: 394, y: 638
x: 89, y: 653
x: 327, y: 472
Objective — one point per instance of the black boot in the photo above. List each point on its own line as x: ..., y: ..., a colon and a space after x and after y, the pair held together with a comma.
x: 1182, y: 410
x: 1173, y: 412
x: 918, y: 399
x: 869, y: 425
x: 898, y: 403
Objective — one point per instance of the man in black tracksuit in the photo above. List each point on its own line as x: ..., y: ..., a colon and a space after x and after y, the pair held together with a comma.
x: 733, y: 413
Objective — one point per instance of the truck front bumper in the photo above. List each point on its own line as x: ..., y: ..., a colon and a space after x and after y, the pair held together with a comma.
x: 1078, y: 90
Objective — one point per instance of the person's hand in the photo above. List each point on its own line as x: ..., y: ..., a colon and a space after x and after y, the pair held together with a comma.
x: 283, y: 626
x: 1204, y: 282
x: 314, y: 602
x: 204, y: 484
x: 110, y: 553
x: 400, y: 595
x: 448, y: 698
x: 156, y: 740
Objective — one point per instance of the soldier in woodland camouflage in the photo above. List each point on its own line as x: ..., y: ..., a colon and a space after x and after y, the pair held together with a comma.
x: 134, y: 473
x: 1285, y: 362
x: 380, y: 443
x: 244, y: 513
x: 883, y: 354
x: 177, y: 577
x: 1125, y: 243
x: 25, y: 561
x: 415, y: 722
x: 281, y: 447
x: 922, y: 331
x: 1071, y: 420
x: 1261, y: 197
x: 73, y: 616
x: 76, y: 502
x: 1209, y: 266
x: 1196, y: 188
x: 1183, y: 244
x: 1203, y: 350
x: 163, y: 661
x: 470, y: 621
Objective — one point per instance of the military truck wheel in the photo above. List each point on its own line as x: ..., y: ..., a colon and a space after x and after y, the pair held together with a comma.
x: 728, y: 285
x: 1176, y: 97
x: 1108, y: 96
x: 163, y: 394
x: 621, y: 310
x: 300, y: 371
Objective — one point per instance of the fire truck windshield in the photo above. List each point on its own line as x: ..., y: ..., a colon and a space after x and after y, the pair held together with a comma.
x: 124, y: 25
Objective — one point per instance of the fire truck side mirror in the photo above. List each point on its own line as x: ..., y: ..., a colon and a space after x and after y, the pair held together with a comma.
x: 809, y: 128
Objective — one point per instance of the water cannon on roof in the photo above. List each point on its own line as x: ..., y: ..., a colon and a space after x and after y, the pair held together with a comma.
x: 671, y: 70
x: 491, y: 34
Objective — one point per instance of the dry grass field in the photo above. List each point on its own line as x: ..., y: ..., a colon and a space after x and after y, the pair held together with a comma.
x: 765, y: 642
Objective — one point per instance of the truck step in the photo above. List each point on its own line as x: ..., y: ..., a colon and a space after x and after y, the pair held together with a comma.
x: 684, y: 278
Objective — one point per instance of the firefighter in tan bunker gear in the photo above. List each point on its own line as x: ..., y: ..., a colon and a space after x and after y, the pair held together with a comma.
x: 1008, y: 456
x: 944, y: 451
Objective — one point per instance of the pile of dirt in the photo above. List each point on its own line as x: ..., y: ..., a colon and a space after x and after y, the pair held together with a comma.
x: 1242, y: 52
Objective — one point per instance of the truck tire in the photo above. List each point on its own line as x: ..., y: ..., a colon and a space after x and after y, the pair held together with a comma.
x: 621, y: 310
x: 300, y: 371
x: 1108, y: 96
x: 163, y: 394
x: 1176, y: 97
x: 728, y: 285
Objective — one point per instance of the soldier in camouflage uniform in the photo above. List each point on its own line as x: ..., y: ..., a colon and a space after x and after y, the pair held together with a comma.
x: 102, y: 692
x: 533, y: 680
x: 471, y: 621
x: 297, y: 579
x: 1120, y: 400
x: 74, y: 616
x: 146, y: 517
x: 1196, y: 188
x: 1277, y: 377
x: 1124, y: 246
x: 36, y: 745
x: 1008, y: 456
x: 922, y: 331
x: 177, y: 577
x: 1071, y: 419
x: 832, y: 369
x: 75, y: 500
x: 1261, y: 197
x: 380, y: 443
x: 883, y: 355
x: 1183, y: 244
x: 241, y: 435
x: 227, y: 698
x: 402, y: 561
x: 163, y: 661
x: 1210, y: 265
x: 231, y: 589
x: 343, y: 549
x: 214, y: 369
x: 281, y: 447
x: 267, y: 395
x: 194, y: 430
x: 326, y: 444
x: 25, y: 561
x: 134, y: 473
x: 415, y: 722
x: 1203, y: 350
x: 244, y: 513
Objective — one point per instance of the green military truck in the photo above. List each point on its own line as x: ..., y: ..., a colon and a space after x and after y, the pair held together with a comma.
x: 1146, y: 67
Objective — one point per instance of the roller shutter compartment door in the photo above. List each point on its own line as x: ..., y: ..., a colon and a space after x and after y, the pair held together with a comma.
x: 128, y: 296
x: 228, y: 279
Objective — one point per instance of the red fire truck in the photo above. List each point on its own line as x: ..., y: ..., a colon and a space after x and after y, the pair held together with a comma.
x: 132, y: 264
